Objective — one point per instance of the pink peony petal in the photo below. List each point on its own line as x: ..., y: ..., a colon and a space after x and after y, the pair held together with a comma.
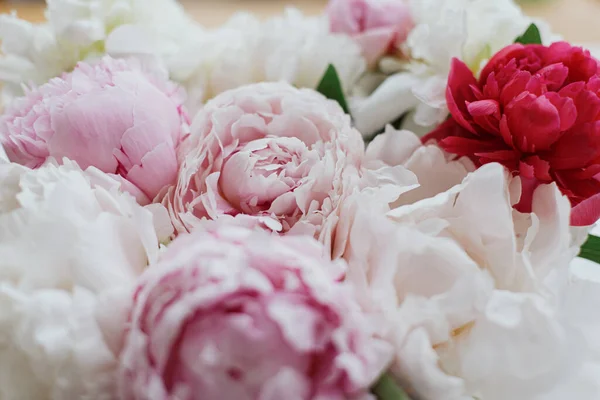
x: 233, y: 313
x: 112, y: 115
x: 586, y: 213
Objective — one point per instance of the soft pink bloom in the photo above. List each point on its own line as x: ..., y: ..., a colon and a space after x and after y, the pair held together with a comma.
x: 269, y: 155
x: 231, y: 313
x: 114, y: 116
x: 378, y: 26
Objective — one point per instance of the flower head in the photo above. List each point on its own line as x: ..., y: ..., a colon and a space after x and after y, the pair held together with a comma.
x: 378, y: 26
x: 465, y: 282
x: 268, y: 154
x: 236, y: 314
x: 68, y: 241
x: 536, y: 110
x: 112, y: 115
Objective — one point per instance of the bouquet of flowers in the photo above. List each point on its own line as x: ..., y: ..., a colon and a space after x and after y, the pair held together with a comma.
x: 393, y: 200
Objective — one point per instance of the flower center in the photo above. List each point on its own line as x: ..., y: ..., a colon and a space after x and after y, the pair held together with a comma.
x: 260, y: 177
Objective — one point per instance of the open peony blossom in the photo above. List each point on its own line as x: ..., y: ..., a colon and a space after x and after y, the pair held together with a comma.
x: 473, y: 290
x: 114, y: 116
x: 68, y: 241
x: 536, y: 110
x: 290, y: 47
x: 274, y: 156
x: 378, y: 26
x: 83, y: 30
x: 236, y: 314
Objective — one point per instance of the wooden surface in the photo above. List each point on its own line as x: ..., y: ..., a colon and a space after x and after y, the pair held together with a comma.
x: 577, y: 20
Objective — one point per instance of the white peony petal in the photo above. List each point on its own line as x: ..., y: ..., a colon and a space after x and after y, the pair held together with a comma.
x: 67, y: 239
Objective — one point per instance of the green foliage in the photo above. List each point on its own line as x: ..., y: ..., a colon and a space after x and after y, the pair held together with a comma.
x: 388, y: 389
x: 331, y: 87
x: 531, y: 36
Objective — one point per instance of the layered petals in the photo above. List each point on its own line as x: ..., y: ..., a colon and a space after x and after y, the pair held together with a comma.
x: 249, y: 316
x: 535, y: 109
x: 69, y: 240
x: 113, y: 115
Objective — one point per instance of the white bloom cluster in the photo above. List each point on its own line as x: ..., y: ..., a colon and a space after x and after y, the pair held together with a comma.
x: 70, y: 241
x: 78, y: 30
x: 478, y: 297
x: 291, y: 48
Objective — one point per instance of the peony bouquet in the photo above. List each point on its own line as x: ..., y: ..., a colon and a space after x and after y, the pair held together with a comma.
x: 394, y: 200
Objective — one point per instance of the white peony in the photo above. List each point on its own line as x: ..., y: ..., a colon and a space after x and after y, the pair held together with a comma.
x: 69, y: 243
x: 471, y: 30
x: 473, y: 293
x: 78, y: 30
x: 291, y: 47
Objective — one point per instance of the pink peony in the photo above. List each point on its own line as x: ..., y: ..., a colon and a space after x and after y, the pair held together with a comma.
x: 536, y: 110
x: 113, y: 116
x: 230, y: 313
x: 378, y: 26
x: 269, y: 155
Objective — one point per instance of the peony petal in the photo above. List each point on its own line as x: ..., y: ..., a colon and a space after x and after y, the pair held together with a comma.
x: 459, y: 93
x: 586, y: 213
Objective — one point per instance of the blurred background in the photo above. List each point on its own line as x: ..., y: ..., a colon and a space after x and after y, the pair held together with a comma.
x: 577, y: 20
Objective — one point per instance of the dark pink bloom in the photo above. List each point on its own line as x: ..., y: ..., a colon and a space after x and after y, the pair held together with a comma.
x: 536, y: 110
x: 234, y: 314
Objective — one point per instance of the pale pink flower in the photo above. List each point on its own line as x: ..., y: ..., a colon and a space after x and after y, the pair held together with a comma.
x: 378, y: 26
x: 269, y: 155
x: 114, y: 115
x: 231, y: 313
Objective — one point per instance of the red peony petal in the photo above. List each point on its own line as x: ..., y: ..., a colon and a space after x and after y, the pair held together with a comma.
x: 462, y: 146
x: 536, y: 86
x: 541, y: 168
x: 576, y: 148
x: 508, y: 158
x: 582, y: 66
x: 505, y: 131
x: 588, y: 107
x: 587, y: 212
x: 446, y: 129
x: 491, y: 89
x: 577, y: 189
x: 572, y: 89
x: 584, y: 173
x: 484, y: 108
x: 459, y: 92
x: 515, y: 87
x: 566, y: 110
x: 553, y: 76
x: 594, y: 84
x: 486, y: 114
x: 528, y: 186
x: 500, y: 58
x: 534, y: 123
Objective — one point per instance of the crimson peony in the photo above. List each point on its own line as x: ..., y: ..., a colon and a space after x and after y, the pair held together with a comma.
x: 536, y: 110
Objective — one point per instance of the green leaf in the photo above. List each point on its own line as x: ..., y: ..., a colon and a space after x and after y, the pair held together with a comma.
x: 388, y: 389
x: 531, y: 36
x: 331, y: 87
x: 591, y: 249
